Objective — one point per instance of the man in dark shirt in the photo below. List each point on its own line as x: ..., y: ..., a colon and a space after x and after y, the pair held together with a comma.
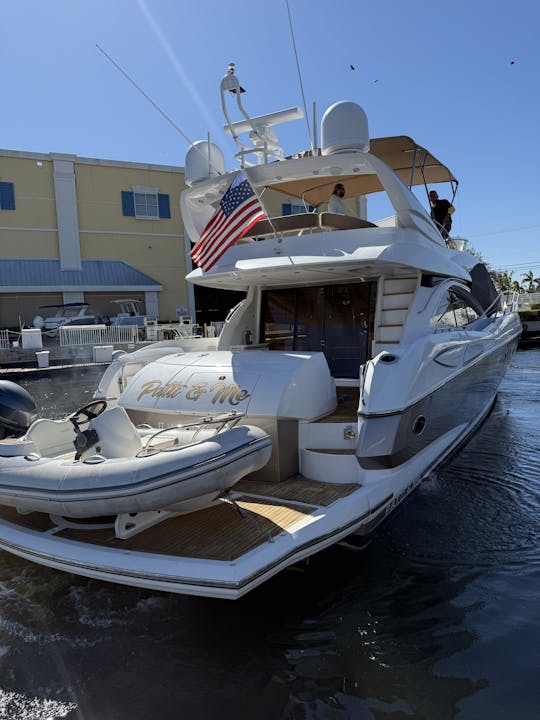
x: 441, y: 212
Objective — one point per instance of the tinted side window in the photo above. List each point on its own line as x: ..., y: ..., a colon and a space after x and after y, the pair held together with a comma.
x: 443, y: 317
x: 454, y: 310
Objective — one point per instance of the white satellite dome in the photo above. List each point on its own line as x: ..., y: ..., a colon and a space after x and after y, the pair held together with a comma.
x: 204, y: 160
x: 344, y: 128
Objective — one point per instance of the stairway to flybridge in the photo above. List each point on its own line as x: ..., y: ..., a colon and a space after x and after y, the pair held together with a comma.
x: 328, y: 446
x: 395, y: 298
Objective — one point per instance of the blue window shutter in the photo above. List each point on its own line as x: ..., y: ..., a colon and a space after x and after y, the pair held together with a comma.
x: 128, y: 203
x: 164, y: 207
x: 286, y: 208
x: 7, y: 196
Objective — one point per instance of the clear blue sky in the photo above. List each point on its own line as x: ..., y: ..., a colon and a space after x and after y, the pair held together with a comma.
x: 461, y: 78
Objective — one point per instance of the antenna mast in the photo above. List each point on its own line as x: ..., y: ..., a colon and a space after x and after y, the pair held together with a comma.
x: 311, y: 142
x: 261, y: 134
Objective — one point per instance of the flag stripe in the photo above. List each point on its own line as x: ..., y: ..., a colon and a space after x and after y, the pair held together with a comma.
x: 239, y: 209
x: 218, y: 228
x: 223, y: 231
x: 214, y: 255
x: 215, y: 220
x: 234, y: 234
x: 227, y: 246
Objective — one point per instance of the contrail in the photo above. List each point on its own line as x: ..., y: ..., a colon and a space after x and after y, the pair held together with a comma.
x: 208, y: 119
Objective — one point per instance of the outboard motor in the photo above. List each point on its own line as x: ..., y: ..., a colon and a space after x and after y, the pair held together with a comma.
x: 17, y: 409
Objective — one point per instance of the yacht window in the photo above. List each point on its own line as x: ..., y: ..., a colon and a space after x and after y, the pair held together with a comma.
x: 454, y: 310
x: 334, y: 319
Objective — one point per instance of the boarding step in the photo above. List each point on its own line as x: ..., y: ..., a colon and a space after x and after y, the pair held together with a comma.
x: 337, y: 466
x: 327, y: 436
x: 327, y: 451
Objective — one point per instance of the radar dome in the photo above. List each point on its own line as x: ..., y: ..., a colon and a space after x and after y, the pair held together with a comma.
x: 204, y: 160
x: 344, y: 128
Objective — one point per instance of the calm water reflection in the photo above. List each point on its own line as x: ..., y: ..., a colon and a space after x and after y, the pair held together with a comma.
x: 436, y: 619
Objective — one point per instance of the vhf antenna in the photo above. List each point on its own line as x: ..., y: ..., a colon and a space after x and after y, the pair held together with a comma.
x: 161, y: 112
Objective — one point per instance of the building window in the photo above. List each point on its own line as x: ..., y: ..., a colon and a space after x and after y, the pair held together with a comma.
x: 7, y: 196
x: 145, y: 203
x: 295, y: 208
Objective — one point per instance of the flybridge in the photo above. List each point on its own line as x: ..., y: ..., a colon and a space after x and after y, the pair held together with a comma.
x: 344, y: 131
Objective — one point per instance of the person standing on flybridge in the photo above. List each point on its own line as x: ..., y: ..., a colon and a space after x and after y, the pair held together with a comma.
x: 239, y: 209
x: 335, y: 204
x: 441, y: 212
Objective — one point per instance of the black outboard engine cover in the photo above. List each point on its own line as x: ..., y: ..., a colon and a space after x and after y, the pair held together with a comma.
x: 17, y: 409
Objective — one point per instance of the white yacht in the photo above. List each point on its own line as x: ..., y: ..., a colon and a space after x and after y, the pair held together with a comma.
x: 364, y: 353
x: 75, y: 313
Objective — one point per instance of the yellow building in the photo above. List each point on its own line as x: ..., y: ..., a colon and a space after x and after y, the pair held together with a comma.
x: 76, y: 229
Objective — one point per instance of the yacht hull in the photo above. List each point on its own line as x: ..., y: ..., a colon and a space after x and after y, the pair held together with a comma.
x: 464, y: 395
x: 243, y: 542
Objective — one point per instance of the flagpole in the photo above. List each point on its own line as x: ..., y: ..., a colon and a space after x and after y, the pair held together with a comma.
x: 265, y: 188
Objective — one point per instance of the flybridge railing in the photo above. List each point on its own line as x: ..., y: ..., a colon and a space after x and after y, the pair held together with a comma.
x: 98, y: 334
x: 4, y: 340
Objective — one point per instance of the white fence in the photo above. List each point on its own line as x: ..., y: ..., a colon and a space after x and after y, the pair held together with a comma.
x: 4, y: 339
x: 525, y: 300
x: 173, y: 331
x: 97, y: 334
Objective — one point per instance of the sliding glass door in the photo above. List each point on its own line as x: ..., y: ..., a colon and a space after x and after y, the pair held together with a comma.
x: 334, y: 319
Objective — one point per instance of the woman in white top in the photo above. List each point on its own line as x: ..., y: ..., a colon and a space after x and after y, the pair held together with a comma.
x: 335, y: 204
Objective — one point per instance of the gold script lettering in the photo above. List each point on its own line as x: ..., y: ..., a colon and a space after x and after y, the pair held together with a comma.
x: 196, y: 391
x: 155, y: 388
x: 230, y: 392
x: 223, y: 392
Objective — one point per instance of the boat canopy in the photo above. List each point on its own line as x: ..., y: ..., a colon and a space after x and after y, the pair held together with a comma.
x: 413, y: 164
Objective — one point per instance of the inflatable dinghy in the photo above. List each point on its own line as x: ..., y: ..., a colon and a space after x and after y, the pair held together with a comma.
x: 112, y: 467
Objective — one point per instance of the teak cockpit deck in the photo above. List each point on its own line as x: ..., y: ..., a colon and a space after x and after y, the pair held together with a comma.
x: 254, y: 513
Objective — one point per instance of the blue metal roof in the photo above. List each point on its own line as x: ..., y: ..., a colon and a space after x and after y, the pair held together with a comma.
x: 45, y: 274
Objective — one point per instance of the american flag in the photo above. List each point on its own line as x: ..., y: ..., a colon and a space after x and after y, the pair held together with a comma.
x: 239, y: 209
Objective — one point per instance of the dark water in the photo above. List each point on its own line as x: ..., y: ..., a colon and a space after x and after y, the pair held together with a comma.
x: 438, y: 618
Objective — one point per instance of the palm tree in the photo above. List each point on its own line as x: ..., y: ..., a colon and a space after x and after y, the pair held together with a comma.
x: 516, y: 287
x: 530, y: 280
